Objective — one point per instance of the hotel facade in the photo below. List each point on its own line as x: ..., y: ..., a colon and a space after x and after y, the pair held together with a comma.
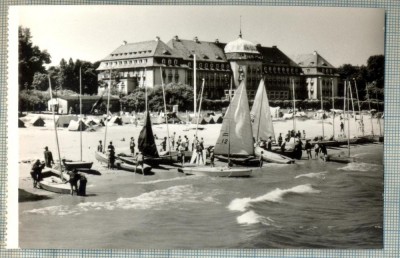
x: 222, y: 66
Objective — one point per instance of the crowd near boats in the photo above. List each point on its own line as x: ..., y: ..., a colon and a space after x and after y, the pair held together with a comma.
x: 246, y: 140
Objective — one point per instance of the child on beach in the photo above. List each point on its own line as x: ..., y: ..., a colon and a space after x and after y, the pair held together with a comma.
x: 308, y: 148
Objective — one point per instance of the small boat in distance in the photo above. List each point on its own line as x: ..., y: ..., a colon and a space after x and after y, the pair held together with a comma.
x: 217, y: 171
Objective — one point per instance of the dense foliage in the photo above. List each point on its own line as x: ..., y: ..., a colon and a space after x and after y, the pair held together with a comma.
x: 31, y: 59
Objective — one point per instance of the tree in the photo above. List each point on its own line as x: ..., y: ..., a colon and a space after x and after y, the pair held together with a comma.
x: 30, y: 58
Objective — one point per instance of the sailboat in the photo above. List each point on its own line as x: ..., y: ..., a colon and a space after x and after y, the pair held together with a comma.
x: 263, y: 128
x: 69, y: 164
x: 54, y: 179
x: 235, y: 141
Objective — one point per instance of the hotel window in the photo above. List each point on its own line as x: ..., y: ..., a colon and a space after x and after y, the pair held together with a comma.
x: 227, y: 67
x: 217, y: 66
x: 190, y: 64
x: 206, y: 65
x: 201, y: 65
x: 145, y: 60
x: 120, y: 62
x: 163, y: 61
x: 222, y: 66
x: 169, y: 61
x: 125, y: 62
x: 135, y: 61
x: 130, y: 61
x: 175, y: 62
x: 212, y: 66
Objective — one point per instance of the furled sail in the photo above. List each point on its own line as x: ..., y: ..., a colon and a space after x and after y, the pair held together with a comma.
x: 236, y: 137
x: 261, y: 115
x: 146, y: 142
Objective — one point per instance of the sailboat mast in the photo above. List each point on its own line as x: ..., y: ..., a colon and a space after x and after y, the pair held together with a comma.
x: 333, y: 107
x: 348, y: 119
x: 359, y: 107
x: 322, y: 108
x: 55, y: 131
x: 294, y: 106
x: 352, y: 101
x: 229, y: 126
x: 108, y: 110
x: 198, y: 113
x: 194, y: 85
x: 165, y: 112
x: 80, y: 107
x: 369, y: 105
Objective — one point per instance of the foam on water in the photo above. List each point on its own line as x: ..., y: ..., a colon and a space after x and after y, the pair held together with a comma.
x: 162, y: 199
x: 242, y: 204
x: 249, y: 218
x: 313, y: 175
x: 166, y: 180
x: 360, y: 166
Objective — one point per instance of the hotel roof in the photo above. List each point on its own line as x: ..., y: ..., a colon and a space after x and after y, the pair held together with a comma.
x: 312, y: 60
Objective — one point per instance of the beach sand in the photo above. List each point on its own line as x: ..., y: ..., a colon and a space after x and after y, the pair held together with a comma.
x: 32, y: 141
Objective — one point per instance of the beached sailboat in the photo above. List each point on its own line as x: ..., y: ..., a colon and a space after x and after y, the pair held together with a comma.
x: 263, y: 127
x: 233, y: 145
x: 54, y: 179
x: 101, y: 155
x: 69, y: 164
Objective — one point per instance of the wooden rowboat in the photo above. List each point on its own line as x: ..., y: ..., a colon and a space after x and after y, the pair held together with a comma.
x: 69, y: 164
x: 217, y: 171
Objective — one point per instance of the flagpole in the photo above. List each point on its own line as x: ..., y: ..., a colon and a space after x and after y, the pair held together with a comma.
x: 294, y: 106
x: 322, y: 107
x: 55, y: 130
x: 198, y: 113
x: 259, y: 115
x: 333, y: 107
x: 348, y: 119
x: 194, y: 85
x: 108, y: 110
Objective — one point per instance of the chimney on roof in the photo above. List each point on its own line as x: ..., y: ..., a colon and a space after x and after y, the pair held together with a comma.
x: 157, y: 38
x: 274, y: 46
x: 125, y: 42
x: 315, y: 53
x: 216, y: 41
x: 258, y: 45
x: 176, y: 38
x: 196, y: 39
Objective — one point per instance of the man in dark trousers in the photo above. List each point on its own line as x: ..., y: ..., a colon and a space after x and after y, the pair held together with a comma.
x: 36, y: 172
x: 280, y: 140
x: 341, y: 127
x: 132, y: 146
x: 48, y: 157
x: 111, y: 155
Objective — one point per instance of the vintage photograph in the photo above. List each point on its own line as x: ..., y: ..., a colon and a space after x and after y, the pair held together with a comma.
x: 200, y: 127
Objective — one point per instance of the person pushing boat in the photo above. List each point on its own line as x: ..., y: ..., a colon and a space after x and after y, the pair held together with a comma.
x: 36, y: 172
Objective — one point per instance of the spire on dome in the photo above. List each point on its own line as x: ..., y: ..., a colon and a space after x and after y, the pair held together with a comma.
x: 240, y: 26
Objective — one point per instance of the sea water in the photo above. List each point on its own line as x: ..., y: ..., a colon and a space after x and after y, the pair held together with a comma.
x: 310, y: 204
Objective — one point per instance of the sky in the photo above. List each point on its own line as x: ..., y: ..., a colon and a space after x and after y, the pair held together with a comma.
x: 90, y: 33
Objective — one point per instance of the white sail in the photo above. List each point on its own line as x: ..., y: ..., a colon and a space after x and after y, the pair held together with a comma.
x: 236, y: 136
x: 261, y: 115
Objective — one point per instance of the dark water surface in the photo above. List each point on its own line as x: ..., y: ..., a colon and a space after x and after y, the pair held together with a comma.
x: 310, y: 204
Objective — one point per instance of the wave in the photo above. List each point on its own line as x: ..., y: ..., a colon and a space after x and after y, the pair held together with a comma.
x: 242, y: 204
x: 165, y: 180
x: 360, y: 166
x: 156, y: 200
x: 251, y: 217
x: 313, y: 175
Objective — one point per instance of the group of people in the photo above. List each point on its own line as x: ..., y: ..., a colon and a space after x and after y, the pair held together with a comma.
x: 77, y: 180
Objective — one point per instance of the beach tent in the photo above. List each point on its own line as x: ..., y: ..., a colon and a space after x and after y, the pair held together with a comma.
x: 77, y: 126
x: 37, y: 121
x: 218, y: 119
x: 126, y: 119
x: 209, y: 120
x: 64, y: 121
x: 202, y: 121
x: 173, y: 118
x: 21, y: 124
x: 116, y: 120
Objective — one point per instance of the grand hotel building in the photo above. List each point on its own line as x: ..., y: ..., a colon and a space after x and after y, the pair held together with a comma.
x: 149, y: 63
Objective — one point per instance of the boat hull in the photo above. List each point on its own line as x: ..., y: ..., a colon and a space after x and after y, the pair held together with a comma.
x: 77, y: 164
x: 217, y: 171
x: 52, y: 181
x: 272, y: 157
x: 132, y: 168
x: 101, y: 157
x: 245, y: 161
x: 339, y: 159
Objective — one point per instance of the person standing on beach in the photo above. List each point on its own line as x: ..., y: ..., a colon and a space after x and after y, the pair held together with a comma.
x: 111, y: 155
x: 100, y: 147
x: 178, y: 142
x: 181, y: 150
x: 73, y: 181
x: 48, y: 157
x: 341, y: 127
x: 269, y: 143
x: 36, y: 172
x: 212, y: 157
x: 186, y: 143
x: 280, y: 140
x: 323, y: 151
x: 260, y: 159
x: 132, y: 146
x: 308, y: 147
x: 164, y: 144
x: 173, y: 140
x: 139, y: 161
